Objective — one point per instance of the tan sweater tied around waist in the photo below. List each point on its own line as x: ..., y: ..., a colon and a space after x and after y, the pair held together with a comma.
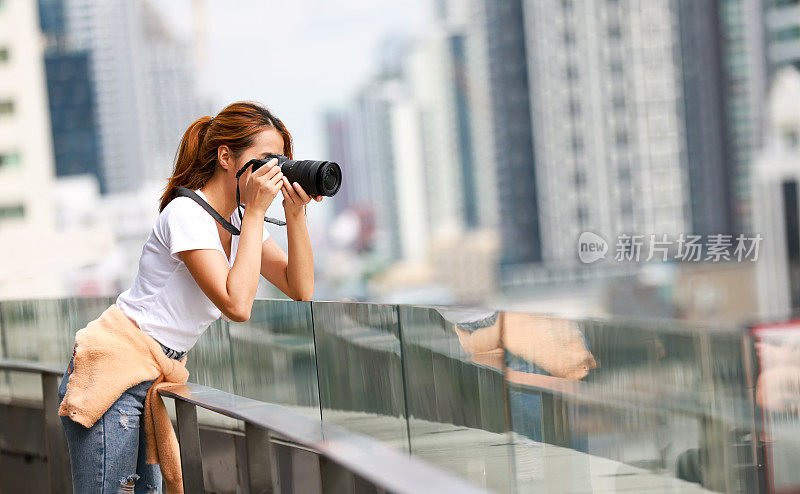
x: 111, y: 355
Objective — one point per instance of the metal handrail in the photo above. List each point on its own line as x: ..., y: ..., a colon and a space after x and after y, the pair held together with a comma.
x: 343, y: 455
x: 55, y: 441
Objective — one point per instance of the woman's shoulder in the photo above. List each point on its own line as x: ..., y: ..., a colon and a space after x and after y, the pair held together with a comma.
x: 183, y: 212
x: 184, y: 208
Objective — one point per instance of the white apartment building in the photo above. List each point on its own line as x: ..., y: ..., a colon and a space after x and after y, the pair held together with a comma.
x: 608, y: 138
x: 26, y: 160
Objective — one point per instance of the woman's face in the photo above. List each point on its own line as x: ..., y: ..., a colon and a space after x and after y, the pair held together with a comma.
x: 268, y: 141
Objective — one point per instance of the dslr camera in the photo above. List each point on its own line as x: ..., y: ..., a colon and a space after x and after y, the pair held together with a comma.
x: 317, y: 178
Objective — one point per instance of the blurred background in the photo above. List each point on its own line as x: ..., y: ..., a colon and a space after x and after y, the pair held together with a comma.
x: 478, y: 140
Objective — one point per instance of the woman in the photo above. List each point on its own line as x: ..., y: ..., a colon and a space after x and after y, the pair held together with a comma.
x: 191, y: 272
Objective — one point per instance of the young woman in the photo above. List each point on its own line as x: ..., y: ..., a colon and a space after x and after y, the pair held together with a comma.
x: 191, y: 272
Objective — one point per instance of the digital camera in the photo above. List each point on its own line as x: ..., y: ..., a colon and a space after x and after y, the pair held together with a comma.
x: 317, y: 178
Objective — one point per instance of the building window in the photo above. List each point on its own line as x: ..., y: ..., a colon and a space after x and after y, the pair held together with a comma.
x: 581, y: 215
x: 788, y: 34
x: 11, y: 212
x: 577, y: 143
x: 4, y: 52
x: 791, y: 138
x: 618, y: 100
x: 574, y: 107
x: 6, y: 107
x: 9, y: 160
x: 571, y: 72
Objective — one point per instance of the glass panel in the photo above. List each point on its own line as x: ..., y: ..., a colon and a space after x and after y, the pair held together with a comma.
x: 627, y: 405
x: 209, y: 361
x: 453, y: 361
x: 30, y: 329
x: 273, y: 355
x: 360, y: 374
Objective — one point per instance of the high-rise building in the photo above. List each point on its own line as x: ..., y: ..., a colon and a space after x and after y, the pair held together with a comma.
x: 372, y: 169
x: 782, y: 33
x: 740, y: 35
x: 777, y: 200
x: 26, y: 163
x: 337, y: 141
x: 608, y: 130
x: 445, y: 141
x: 501, y: 31
x: 617, y: 117
x: 71, y: 98
x: 143, y: 82
x: 708, y: 148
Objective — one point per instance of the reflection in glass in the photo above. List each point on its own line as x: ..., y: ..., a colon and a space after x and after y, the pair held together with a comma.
x: 273, y: 355
x: 360, y: 374
x: 453, y: 362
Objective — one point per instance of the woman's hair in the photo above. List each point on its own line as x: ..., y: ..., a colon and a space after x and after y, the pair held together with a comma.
x: 236, y: 127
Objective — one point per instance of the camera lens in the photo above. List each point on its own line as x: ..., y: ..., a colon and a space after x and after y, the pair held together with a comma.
x: 331, y: 178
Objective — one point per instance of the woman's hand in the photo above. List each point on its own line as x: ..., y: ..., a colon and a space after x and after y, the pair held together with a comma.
x: 294, y: 197
x: 263, y: 185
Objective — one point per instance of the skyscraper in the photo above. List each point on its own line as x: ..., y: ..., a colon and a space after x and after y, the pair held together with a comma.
x: 618, y: 117
x: 71, y: 98
x: 501, y: 26
x: 26, y: 163
x: 744, y: 69
x: 783, y: 33
x: 777, y: 199
x: 143, y: 82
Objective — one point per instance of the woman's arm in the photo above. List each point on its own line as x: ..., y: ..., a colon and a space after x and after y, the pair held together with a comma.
x: 232, y: 289
x: 293, y: 274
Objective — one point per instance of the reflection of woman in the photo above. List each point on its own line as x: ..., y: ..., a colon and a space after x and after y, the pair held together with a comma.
x: 524, y: 346
x: 191, y: 272
x: 555, y: 346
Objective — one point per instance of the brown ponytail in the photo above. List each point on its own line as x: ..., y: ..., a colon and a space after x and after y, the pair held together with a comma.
x: 235, y: 126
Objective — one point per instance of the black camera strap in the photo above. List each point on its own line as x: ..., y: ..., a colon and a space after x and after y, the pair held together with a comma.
x: 185, y: 192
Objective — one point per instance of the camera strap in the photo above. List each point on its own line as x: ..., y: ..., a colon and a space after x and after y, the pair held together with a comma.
x: 186, y: 192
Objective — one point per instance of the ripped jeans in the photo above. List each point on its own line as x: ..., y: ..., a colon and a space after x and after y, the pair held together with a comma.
x: 109, y: 457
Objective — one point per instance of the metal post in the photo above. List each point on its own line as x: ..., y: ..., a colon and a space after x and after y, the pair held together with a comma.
x: 189, y: 440
x: 58, y: 465
x: 548, y: 419
x: 334, y: 478
x: 363, y: 486
x: 262, y: 474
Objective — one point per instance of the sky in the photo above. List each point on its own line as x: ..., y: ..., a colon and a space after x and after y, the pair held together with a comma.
x: 297, y: 57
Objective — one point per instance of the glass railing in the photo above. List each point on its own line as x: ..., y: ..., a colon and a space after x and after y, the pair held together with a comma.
x: 510, y: 401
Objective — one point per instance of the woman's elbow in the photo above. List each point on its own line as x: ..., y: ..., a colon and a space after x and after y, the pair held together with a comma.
x: 304, y: 295
x: 239, y: 314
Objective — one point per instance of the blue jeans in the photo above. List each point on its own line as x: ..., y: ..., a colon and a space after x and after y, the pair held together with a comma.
x: 109, y: 457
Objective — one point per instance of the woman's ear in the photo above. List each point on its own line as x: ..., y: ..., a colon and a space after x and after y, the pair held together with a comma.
x: 225, y: 157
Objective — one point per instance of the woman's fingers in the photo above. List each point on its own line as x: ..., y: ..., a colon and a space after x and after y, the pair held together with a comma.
x: 268, y: 169
x: 289, y: 193
x: 300, y: 192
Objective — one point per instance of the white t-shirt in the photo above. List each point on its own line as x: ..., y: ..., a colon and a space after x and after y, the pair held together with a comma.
x: 165, y: 301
